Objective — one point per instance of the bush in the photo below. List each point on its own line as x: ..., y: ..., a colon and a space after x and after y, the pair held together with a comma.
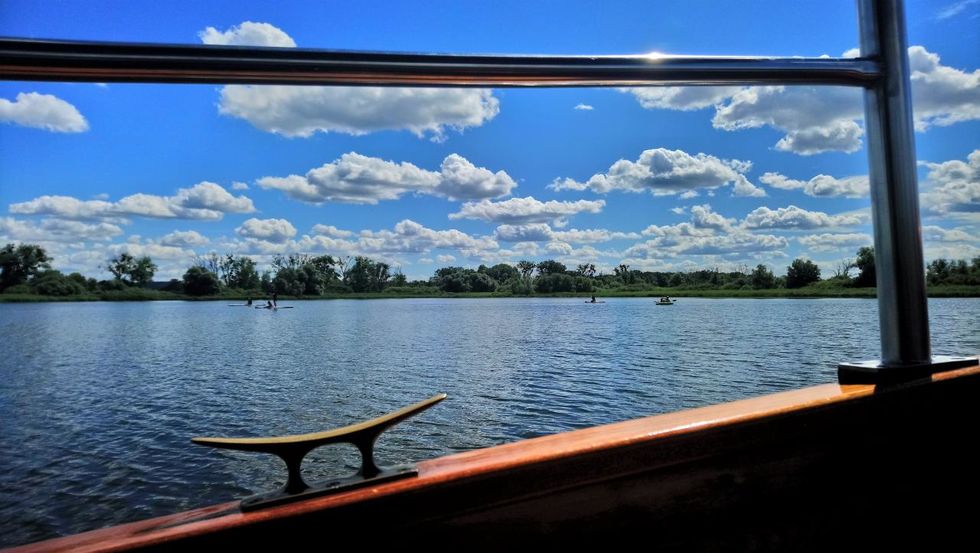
x: 18, y: 289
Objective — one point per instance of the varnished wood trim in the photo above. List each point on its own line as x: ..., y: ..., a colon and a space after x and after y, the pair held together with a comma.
x: 488, y: 462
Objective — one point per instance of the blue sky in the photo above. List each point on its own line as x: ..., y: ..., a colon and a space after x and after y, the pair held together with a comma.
x: 658, y: 178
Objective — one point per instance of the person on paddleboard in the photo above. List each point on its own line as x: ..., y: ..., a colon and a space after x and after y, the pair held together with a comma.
x: 275, y: 299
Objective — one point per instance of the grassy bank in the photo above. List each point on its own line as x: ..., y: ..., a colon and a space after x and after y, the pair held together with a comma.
x: 807, y: 292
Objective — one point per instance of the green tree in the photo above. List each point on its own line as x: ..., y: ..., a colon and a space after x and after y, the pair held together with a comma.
x: 20, y: 263
x: 762, y: 278
x: 551, y: 267
x: 801, y: 272
x: 526, y: 268
x: 865, y: 264
x: 239, y: 272
x: 367, y: 275
x: 199, y: 281
x: 502, y: 272
x: 131, y: 270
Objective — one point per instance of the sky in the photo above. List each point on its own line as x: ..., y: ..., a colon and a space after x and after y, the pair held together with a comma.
x: 659, y: 178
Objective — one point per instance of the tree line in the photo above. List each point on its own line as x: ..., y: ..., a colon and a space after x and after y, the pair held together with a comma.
x: 26, y: 269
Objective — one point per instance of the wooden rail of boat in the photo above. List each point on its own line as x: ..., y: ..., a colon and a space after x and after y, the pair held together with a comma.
x: 820, y: 468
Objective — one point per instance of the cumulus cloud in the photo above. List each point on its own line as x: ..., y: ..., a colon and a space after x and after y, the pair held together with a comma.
x: 301, y: 111
x: 205, y: 200
x: 941, y: 95
x: 184, y: 239
x: 55, y: 230
x: 952, y: 186
x: 249, y: 33
x: 584, y: 107
x: 239, y: 186
x: 541, y: 232
x: 821, y: 185
x: 296, y: 111
x: 683, y: 98
x: 276, y: 231
x: 518, y: 211
x: 835, y: 242
x: 355, y: 178
x: 445, y: 258
x: 933, y: 233
x: 535, y: 232
x: 704, y: 217
x: 42, y: 111
x: 411, y: 237
x: 667, y: 172
x: 824, y: 119
x: 331, y: 231
x: 815, y: 119
x: 793, y: 217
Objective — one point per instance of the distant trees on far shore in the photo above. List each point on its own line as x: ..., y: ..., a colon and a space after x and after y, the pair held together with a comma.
x: 26, y: 269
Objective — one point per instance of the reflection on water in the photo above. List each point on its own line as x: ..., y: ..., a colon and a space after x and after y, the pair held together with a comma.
x: 98, y: 401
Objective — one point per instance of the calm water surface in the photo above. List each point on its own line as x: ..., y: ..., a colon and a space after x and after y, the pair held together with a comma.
x: 98, y: 401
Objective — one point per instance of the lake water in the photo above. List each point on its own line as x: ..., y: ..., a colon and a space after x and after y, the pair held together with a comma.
x: 98, y: 401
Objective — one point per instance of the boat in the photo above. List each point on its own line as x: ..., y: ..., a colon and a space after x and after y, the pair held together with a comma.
x: 881, y: 458
x: 666, y: 301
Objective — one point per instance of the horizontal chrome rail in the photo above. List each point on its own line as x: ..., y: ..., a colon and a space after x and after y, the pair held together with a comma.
x: 39, y: 60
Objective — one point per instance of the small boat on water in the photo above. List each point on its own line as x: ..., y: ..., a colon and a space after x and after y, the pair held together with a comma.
x: 666, y: 301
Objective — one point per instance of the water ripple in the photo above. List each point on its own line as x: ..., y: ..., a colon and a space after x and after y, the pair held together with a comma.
x: 97, y: 416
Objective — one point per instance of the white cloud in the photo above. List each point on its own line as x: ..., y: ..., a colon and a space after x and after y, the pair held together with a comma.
x: 954, y: 9
x: 534, y: 232
x: 821, y: 185
x: 835, y: 242
x: 703, y: 217
x: 584, y: 107
x: 541, y: 232
x: 592, y: 236
x: 683, y: 98
x: 933, y: 233
x: 55, y: 230
x: 276, y: 231
x: 184, y: 239
x: 666, y: 172
x: 301, y: 111
x: 678, y: 210
x: 517, y: 211
x: 673, y: 244
x: 793, y: 217
x: 411, y: 237
x: 205, y: 200
x: 445, y: 258
x: 824, y: 119
x: 331, y: 231
x: 461, y: 180
x: 355, y: 178
x: 239, y: 186
x: 689, y: 194
x: 42, y: 111
x: 952, y: 186
x: 815, y: 119
x: 296, y: 111
x: 248, y: 33
x: 941, y: 95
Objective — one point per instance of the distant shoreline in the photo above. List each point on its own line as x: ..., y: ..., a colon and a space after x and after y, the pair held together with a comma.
x: 807, y: 292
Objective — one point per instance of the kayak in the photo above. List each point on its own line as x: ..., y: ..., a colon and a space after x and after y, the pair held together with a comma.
x: 666, y: 302
x: 595, y: 302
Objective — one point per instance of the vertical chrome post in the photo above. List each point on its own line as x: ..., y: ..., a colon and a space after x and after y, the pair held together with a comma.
x: 902, y: 301
x: 894, y: 189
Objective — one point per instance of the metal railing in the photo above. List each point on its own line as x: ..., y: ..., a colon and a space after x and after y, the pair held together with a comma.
x: 882, y: 70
